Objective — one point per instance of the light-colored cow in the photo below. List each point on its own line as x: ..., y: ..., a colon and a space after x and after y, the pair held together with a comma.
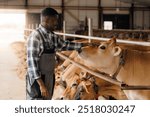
x: 135, y: 71
x: 59, y: 89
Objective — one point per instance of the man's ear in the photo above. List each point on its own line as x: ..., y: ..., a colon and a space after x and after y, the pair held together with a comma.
x: 117, y: 50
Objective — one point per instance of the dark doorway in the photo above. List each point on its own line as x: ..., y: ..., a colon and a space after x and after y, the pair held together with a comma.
x: 119, y: 21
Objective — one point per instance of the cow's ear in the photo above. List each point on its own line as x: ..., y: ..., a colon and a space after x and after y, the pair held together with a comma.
x: 88, y: 83
x: 92, y: 79
x: 112, y: 41
x: 116, y: 51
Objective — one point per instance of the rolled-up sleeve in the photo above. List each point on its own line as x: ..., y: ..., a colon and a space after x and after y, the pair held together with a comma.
x: 33, y: 50
x: 64, y: 45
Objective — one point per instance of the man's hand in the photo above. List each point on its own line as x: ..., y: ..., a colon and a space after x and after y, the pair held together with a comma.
x: 43, y: 89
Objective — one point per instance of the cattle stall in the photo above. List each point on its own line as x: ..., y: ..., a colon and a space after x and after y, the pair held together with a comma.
x: 113, y: 65
x: 123, y: 86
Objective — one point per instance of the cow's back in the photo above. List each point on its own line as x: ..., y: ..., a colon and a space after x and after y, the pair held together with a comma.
x: 136, y: 72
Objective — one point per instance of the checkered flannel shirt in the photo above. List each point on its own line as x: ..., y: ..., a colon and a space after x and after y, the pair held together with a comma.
x: 35, y: 48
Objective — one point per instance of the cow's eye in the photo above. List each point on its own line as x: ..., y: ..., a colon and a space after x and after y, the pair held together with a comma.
x: 74, y: 85
x: 102, y: 47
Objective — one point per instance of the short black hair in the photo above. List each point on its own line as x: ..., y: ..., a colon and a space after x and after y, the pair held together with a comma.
x: 49, y: 12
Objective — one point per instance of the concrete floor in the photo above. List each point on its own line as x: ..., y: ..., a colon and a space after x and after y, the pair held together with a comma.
x: 11, y: 87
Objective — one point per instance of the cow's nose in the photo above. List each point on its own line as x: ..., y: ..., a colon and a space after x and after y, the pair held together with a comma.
x: 79, y: 50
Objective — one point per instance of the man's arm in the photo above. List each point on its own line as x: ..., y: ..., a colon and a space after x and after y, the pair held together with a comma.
x: 33, y: 50
x: 64, y: 45
x: 43, y: 89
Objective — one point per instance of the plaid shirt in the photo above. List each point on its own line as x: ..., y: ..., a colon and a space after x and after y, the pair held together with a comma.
x: 35, y: 48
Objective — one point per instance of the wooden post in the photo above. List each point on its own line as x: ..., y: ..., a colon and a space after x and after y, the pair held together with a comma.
x: 32, y: 26
x: 29, y: 27
x: 36, y: 25
x: 64, y: 30
x: 90, y: 30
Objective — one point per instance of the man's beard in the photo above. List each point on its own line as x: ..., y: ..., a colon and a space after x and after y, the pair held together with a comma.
x: 52, y: 28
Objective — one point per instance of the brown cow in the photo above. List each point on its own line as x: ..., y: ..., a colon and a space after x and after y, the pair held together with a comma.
x: 90, y: 90
x: 106, y: 58
x: 59, y: 89
x: 71, y: 89
x: 87, y: 87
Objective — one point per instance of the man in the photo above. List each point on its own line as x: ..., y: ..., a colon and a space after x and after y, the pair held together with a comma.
x: 41, y: 47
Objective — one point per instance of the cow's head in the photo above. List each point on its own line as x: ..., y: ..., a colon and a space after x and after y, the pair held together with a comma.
x: 104, y: 57
x: 86, y: 90
x: 71, y: 88
x: 59, y: 88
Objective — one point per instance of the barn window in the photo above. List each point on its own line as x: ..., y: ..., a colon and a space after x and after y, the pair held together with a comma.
x: 108, y: 25
x: 12, y: 25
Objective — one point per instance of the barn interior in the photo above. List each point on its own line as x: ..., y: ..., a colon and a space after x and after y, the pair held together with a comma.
x: 126, y: 20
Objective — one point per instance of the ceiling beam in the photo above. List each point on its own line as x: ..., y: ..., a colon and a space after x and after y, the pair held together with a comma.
x: 74, y: 7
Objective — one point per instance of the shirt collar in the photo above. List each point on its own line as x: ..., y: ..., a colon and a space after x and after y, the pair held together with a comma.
x: 44, y: 29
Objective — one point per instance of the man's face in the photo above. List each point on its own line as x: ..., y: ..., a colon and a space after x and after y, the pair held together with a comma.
x: 51, y: 22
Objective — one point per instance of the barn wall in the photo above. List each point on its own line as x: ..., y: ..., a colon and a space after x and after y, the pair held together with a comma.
x: 81, y: 2
x: 45, y: 2
x: 32, y: 18
x: 113, y: 3
x: 142, y: 20
x: 87, y: 8
x: 147, y: 20
x: 11, y: 2
x: 74, y: 17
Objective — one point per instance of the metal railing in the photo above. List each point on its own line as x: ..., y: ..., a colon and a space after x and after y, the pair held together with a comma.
x: 119, y: 41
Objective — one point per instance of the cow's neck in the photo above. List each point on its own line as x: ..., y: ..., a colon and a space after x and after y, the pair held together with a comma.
x: 136, y: 72
x: 116, y: 64
x: 112, y: 68
x: 121, y: 62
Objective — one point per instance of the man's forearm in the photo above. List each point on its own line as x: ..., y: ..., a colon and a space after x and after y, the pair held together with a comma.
x: 43, y: 89
x: 40, y: 82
